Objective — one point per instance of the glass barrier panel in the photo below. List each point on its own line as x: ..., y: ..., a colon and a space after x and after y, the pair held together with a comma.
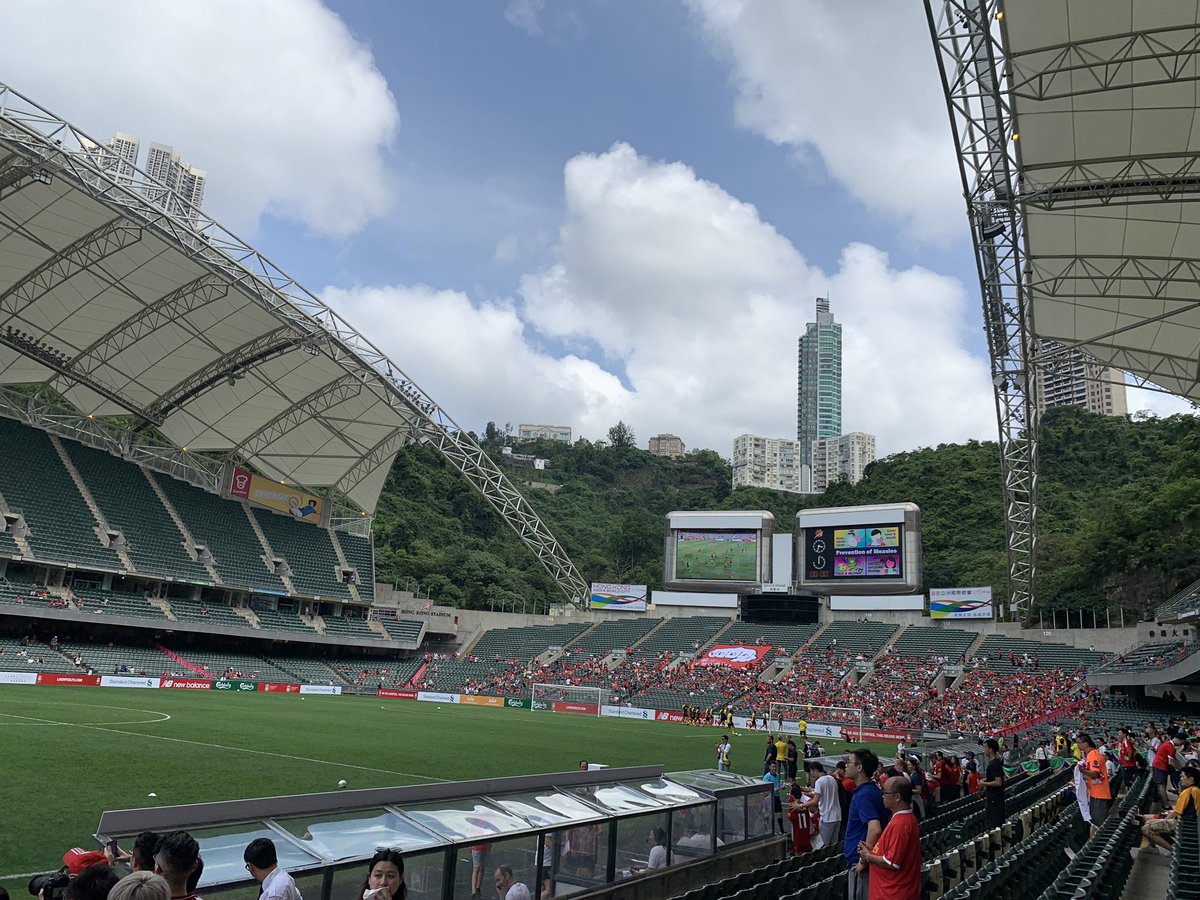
x: 731, y: 819
x: 478, y: 866
x: 222, y: 849
x: 692, y: 832
x: 642, y: 844
x: 358, y: 834
x: 423, y: 877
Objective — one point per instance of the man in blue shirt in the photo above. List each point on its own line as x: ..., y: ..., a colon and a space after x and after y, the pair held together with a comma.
x: 865, y: 820
x: 772, y: 778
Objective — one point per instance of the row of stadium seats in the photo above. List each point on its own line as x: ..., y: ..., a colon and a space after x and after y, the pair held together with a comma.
x: 37, y: 483
x: 1185, y: 601
x: 525, y: 643
x: 1150, y: 657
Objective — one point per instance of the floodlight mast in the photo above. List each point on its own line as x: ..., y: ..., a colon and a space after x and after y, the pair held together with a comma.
x: 49, y: 146
x: 970, y: 55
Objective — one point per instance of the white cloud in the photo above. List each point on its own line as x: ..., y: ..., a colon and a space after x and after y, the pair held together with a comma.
x: 1156, y: 402
x: 275, y: 99
x: 699, y: 304
x: 854, y: 84
x: 524, y: 14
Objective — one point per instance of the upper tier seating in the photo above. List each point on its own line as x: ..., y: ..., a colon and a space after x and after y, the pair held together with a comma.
x: 221, y: 526
x: 856, y: 638
x: 925, y: 640
x: 215, y: 613
x: 403, y: 629
x: 236, y: 665
x: 1003, y: 654
x: 8, y: 545
x: 35, y: 482
x: 613, y: 634
x: 281, y: 620
x: 685, y: 634
x: 130, y: 505
x: 350, y: 627
x: 784, y: 639
x: 93, y: 601
x: 1185, y: 600
x: 525, y: 643
x: 360, y: 554
x: 308, y: 550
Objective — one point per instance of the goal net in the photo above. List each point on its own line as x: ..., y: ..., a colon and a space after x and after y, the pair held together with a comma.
x: 568, y: 698
x: 843, y: 722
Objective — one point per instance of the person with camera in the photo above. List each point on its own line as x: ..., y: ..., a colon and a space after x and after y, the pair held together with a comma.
x: 262, y: 863
x: 142, y: 857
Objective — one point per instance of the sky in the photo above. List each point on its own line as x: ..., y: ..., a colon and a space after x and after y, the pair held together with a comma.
x: 574, y: 211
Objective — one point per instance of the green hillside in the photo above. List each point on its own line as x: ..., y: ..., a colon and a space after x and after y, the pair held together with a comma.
x: 1120, y: 514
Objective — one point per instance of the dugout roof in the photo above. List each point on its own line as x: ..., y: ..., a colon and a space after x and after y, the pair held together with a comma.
x: 1104, y: 96
x: 131, y: 317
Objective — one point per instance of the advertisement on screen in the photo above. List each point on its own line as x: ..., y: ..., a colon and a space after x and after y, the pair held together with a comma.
x: 961, y: 603
x: 736, y: 656
x: 716, y: 555
x: 873, y: 551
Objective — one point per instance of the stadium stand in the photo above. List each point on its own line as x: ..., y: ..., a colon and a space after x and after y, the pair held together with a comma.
x: 1149, y: 657
x: 858, y: 638
x: 403, y: 629
x: 32, y: 656
x: 359, y: 554
x: 525, y: 643
x: 235, y: 665
x: 307, y: 671
x: 35, y: 483
x: 210, y: 613
x: 280, y: 619
x: 129, y: 504
x: 308, y: 551
x: 221, y: 526
x: 8, y: 545
x: 94, y: 601
x: 613, y: 634
x: 125, y: 659
x: 1187, y: 600
x: 351, y: 627
x: 1004, y: 654
x: 785, y: 639
x: 684, y: 634
x: 924, y: 640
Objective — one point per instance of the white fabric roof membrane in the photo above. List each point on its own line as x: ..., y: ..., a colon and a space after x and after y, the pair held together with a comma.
x: 121, y: 320
x: 1105, y: 101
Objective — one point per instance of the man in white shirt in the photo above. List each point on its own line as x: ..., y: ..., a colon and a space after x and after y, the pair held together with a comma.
x: 829, y: 807
x: 263, y: 865
x: 507, y: 887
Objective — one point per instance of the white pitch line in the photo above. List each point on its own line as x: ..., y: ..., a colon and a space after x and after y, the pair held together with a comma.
x: 21, y: 875
x: 160, y: 737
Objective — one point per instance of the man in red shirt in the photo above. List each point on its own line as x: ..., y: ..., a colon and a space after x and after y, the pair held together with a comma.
x: 895, y: 860
x: 1127, y: 756
x: 1096, y: 772
x: 1160, y: 767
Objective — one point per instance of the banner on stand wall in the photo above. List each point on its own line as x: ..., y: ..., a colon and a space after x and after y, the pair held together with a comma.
x: 88, y: 680
x: 126, y: 681
x: 328, y: 689
x: 392, y: 694
x: 436, y: 697
x: 186, y: 684
x: 479, y: 700
x: 516, y: 703
x: 265, y: 687
x: 236, y: 686
x: 627, y: 712
x: 581, y: 709
x: 18, y: 678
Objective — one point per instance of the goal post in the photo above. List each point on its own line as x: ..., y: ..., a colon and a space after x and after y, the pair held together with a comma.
x: 568, y: 698
x: 848, y: 719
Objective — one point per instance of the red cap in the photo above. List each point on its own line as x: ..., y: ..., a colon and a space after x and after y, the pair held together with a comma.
x: 77, y: 859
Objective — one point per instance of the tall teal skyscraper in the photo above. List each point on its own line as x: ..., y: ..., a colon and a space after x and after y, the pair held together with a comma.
x: 819, y: 396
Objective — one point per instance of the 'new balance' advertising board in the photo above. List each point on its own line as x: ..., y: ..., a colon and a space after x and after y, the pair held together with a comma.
x: 185, y: 684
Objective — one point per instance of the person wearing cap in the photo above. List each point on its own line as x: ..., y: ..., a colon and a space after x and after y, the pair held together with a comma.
x: 262, y: 863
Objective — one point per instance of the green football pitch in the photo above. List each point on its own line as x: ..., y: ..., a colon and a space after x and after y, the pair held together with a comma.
x: 716, y: 560
x: 71, y: 753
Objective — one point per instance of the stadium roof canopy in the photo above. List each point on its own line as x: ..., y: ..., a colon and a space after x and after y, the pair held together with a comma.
x: 1075, y: 123
x: 1104, y: 99
x: 133, y: 321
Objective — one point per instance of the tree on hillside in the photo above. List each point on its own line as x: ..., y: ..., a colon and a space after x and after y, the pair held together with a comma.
x: 621, y: 437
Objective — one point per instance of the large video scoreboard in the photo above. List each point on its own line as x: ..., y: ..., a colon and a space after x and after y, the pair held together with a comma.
x: 859, y: 549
